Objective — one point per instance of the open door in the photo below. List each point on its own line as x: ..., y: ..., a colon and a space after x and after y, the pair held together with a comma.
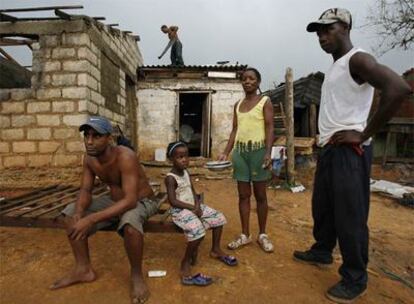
x: 194, y: 116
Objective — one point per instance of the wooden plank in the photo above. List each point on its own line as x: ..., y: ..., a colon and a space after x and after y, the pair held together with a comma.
x: 50, y: 218
x: 22, y: 198
x: 161, y: 227
x: 41, y: 8
x: 62, y: 14
x: 39, y: 198
x: 312, y: 120
x: 150, y: 226
x: 40, y: 194
x: 10, y: 221
x: 387, y: 143
x: 54, y: 18
x: 23, y: 212
x: 299, y: 142
x: 6, y: 55
x: 290, y: 132
x: 393, y: 159
x: 14, y: 42
x: 7, y: 18
x: 61, y: 205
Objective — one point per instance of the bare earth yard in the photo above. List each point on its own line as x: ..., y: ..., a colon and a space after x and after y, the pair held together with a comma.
x: 31, y: 259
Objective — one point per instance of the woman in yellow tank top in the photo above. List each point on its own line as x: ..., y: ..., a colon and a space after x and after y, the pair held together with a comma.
x: 251, y: 141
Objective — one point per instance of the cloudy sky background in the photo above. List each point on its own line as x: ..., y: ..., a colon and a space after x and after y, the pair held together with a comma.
x: 267, y: 34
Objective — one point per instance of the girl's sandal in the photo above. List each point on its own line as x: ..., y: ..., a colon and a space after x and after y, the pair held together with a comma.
x: 197, y: 280
x: 241, y: 240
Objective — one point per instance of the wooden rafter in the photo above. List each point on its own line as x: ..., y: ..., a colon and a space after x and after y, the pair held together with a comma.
x: 6, y: 17
x: 16, y: 42
x: 6, y: 55
x: 43, y: 8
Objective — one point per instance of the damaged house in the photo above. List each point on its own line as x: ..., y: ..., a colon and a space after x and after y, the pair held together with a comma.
x: 80, y: 67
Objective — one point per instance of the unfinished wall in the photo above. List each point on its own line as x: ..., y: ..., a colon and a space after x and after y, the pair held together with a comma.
x: 157, y: 111
x: 79, y: 69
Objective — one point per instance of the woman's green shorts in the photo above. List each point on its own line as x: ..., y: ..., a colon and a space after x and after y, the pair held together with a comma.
x: 248, y: 166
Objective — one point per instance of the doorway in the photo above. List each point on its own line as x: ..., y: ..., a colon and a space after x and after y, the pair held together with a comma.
x: 194, y: 112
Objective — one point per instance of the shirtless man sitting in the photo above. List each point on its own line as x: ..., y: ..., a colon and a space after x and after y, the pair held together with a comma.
x: 129, y: 204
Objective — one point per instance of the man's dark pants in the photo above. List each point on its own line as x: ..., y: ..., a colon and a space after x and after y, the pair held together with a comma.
x: 177, y: 53
x: 340, y: 207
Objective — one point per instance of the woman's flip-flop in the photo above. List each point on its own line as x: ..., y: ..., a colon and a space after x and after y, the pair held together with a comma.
x: 198, y: 280
x: 229, y: 260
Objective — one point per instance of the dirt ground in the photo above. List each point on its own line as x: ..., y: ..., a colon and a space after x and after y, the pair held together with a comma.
x: 31, y: 259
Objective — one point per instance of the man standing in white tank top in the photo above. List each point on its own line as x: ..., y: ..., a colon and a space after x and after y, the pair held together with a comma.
x: 340, y: 201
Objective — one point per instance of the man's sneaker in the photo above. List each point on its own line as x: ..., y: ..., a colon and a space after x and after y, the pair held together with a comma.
x: 345, y: 293
x: 240, y: 241
x: 309, y: 257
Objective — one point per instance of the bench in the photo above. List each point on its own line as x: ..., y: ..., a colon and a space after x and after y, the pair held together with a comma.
x: 42, y: 209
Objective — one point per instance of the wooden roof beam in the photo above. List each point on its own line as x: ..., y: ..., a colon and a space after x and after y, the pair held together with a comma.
x: 6, y: 17
x: 43, y: 8
x: 62, y: 14
x: 6, y: 55
x: 15, y: 42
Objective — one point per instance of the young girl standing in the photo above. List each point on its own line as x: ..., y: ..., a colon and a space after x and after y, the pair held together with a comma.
x: 252, y: 139
x: 193, y: 216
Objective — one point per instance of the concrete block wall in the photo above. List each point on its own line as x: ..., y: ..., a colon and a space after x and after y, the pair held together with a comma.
x: 39, y: 126
x: 157, y: 111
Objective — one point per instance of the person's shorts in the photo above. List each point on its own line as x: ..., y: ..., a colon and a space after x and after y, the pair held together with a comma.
x: 136, y: 217
x: 195, y: 227
x: 248, y: 166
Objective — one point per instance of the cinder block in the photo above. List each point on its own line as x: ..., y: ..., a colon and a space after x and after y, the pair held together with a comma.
x: 38, y: 107
x: 51, y: 66
x: 12, y: 134
x: 49, y: 146
x: 48, y: 93
x: 39, y: 134
x: 64, y: 79
x: 75, y: 146
x: 64, y: 133
x: 63, y: 106
x: 64, y: 160
x: 76, y: 39
x: 48, y: 120
x: 76, y: 66
x: 21, y: 94
x: 12, y: 107
x: 39, y: 160
x: 74, y: 120
x: 14, y: 161
x: 60, y: 53
x: 4, y: 147
x: 24, y: 147
x: 22, y: 120
x: 4, y: 122
x: 75, y: 93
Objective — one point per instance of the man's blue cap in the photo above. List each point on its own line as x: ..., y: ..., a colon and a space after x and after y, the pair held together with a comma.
x: 99, y: 124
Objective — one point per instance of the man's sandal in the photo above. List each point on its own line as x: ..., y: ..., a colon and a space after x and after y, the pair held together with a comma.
x: 265, y: 243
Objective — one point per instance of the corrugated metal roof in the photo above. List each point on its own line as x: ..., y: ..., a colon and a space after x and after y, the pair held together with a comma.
x: 306, y: 90
x: 228, y: 68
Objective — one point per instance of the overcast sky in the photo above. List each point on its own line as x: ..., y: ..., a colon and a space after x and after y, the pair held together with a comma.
x: 267, y: 34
